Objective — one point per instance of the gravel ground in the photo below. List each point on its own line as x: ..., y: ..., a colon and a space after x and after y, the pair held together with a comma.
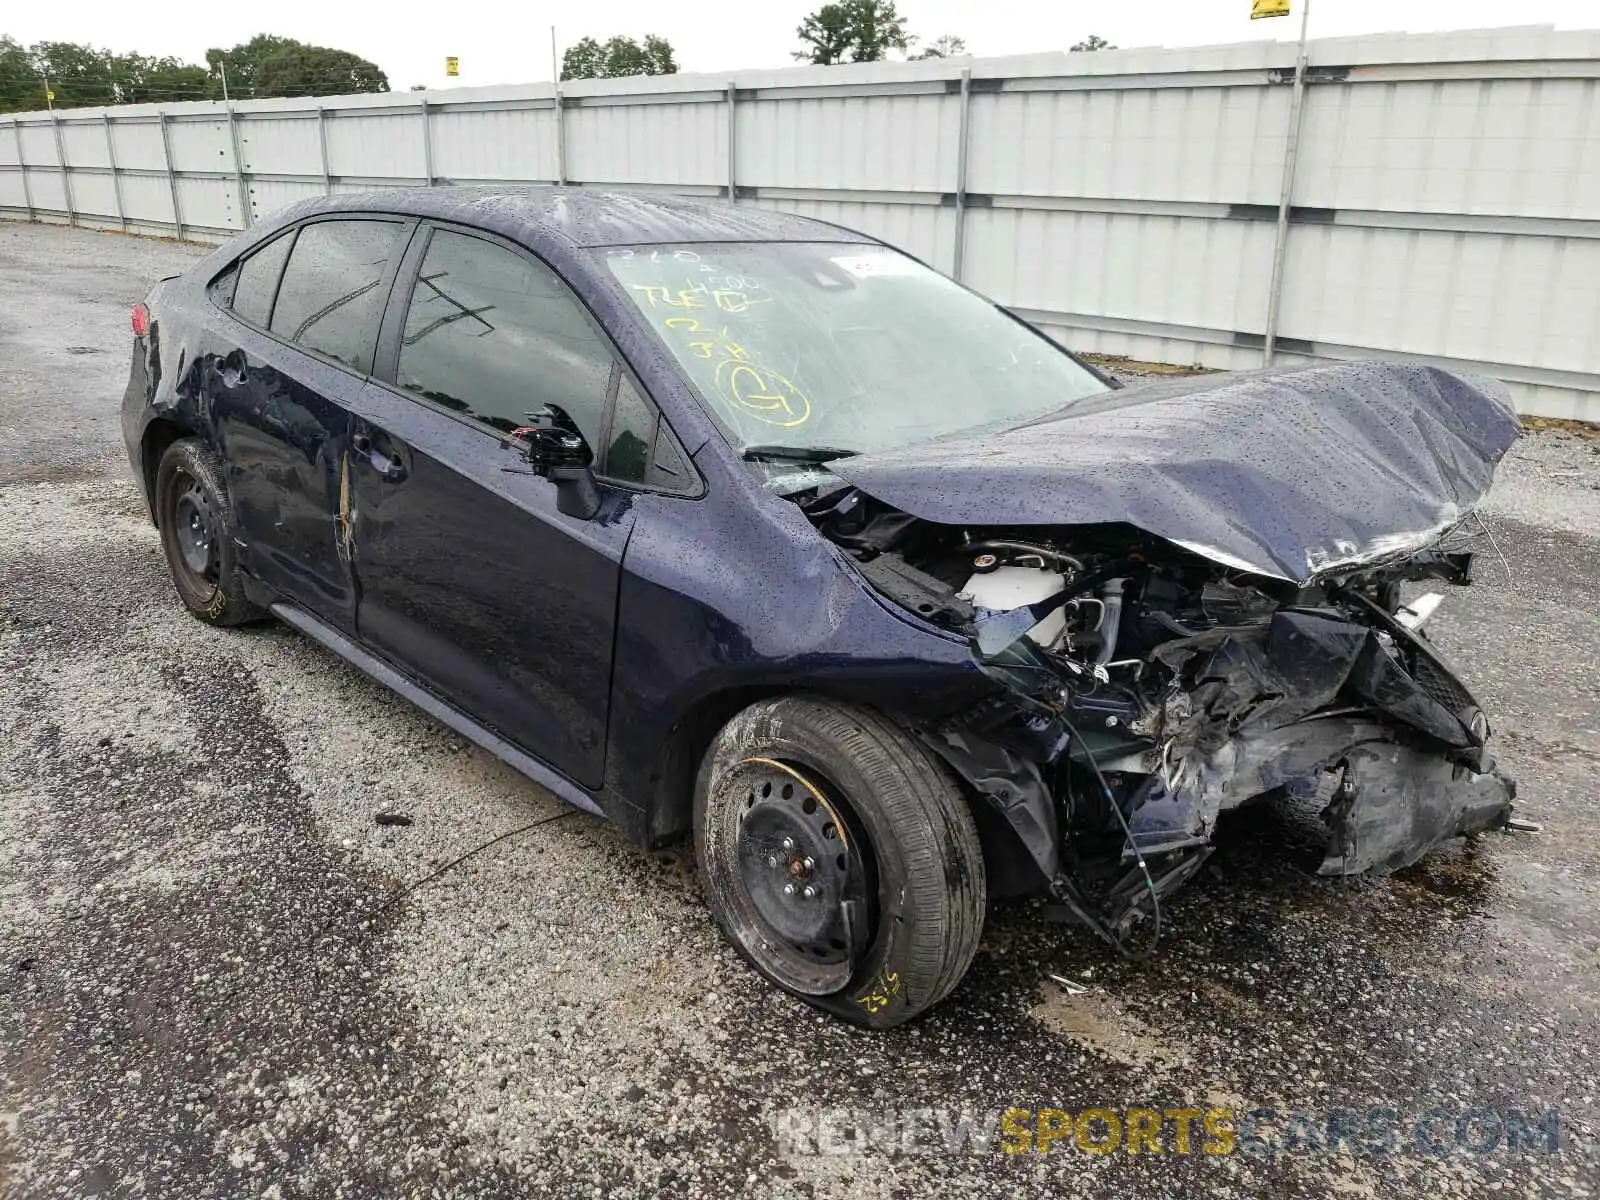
x: 211, y: 983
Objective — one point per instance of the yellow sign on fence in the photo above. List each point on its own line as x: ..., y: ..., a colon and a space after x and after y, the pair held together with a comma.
x: 452, y: 64
x: 1268, y: 8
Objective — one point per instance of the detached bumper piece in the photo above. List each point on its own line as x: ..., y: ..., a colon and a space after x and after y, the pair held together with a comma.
x: 1396, y: 803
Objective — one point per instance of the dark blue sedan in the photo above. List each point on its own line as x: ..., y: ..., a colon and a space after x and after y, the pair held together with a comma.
x: 727, y: 523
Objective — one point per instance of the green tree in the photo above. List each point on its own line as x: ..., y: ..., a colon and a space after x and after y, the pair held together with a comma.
x: 618, y: 57
x: 851, y: 31
x: 243, y: 61
x: 80, y: 76
x: 948, y: 46
x: 21, y: 87
x: 1093, y: 42
x: 302, y: 70
x: 268, y: 65
x: 137, y: 79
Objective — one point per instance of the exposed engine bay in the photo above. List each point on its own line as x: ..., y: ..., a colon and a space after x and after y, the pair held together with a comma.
x: 1144, y: 689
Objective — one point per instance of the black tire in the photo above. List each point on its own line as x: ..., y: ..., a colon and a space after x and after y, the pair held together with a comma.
x: 195, y: 518
x: 913, y: 855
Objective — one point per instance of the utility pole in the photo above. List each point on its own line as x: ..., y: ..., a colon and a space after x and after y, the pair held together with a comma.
x: 1291, y: 153
x: 561, y: 116
x: 49, y: 96
x: 223, y: 64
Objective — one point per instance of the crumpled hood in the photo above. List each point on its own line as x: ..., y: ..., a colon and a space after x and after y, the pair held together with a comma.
x: 1287, y: 473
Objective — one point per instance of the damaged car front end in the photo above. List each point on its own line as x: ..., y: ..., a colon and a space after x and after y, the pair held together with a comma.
x: 1190, y: 596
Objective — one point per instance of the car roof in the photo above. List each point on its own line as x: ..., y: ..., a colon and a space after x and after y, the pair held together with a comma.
x: 584, y: 216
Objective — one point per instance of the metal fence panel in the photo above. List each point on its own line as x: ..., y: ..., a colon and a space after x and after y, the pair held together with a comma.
x: 209, y: 204
x: 1508, y: 147
x: 199, y: 145
x: 13, y: 193
x: 495, y: 144
x: 93, y: 194
x: 1496, y: 298
x: 138, y: 145
x: 38, y: 143
x: 269, y: 195
x: 665, y: 144
x: 148, y: 201
x: 375, y: 145
x: 49, y: 190
x: 865, y: 143
x: 278, y: 145
x: 85, y: 144
x: 1218, y: 144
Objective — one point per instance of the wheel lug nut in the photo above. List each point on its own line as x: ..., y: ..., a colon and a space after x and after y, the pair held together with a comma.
x: 810, y: 864
x: 788, y: 889
x: 809, y: 892
x: 772, y: 860
x: 788, y: 843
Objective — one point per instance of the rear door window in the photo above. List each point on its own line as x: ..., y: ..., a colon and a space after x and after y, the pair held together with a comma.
x: 495, y: 335
x: 258, y: 279
x: 332, y: 294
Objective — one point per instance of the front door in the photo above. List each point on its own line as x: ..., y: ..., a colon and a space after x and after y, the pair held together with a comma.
x: 467, y: 574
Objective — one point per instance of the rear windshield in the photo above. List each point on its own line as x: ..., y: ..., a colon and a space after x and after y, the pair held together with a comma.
x: 843, y: 346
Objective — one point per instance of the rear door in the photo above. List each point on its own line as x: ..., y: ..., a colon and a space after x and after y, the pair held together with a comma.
x: 306, y: 306
x: 467, y: 572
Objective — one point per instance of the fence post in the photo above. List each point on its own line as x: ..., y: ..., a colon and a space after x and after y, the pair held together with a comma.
x: 561, y: 137
x: 246, y: 217
x: 733, y: 145
x: 66, y: 177
x: 959, y: 251
x: 322, y: 144
x: 22, y: 163
x: 172, y: 178
x: 1291, y: 155
x: 116, y: 179
x: 427, y: 145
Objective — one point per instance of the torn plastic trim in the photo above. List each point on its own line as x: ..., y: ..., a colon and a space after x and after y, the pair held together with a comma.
x: 1013, y: 785
x: 1395, y: 803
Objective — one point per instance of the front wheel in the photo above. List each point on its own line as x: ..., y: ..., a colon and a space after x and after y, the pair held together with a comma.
x: 840, y: 858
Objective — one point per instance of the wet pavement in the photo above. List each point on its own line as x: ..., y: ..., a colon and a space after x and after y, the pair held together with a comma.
x: 212, y: 984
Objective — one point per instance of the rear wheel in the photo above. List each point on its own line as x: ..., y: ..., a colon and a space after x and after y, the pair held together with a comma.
x: 194, y: 516
x: 839, y: 858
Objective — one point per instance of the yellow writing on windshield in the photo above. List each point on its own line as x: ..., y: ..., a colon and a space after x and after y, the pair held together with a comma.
x: 762, y: 393
x: 707, y: 343
x: 745, y: 386
x: 656, y: 295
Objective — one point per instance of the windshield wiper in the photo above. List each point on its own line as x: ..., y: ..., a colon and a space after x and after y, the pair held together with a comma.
x: 799, y: 454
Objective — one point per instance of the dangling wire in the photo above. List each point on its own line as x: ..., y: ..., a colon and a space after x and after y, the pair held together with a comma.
x: 1149, y: 881
x: 1489, y: 533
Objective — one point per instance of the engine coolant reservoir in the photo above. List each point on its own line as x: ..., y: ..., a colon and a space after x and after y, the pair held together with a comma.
x: 1006, y: 588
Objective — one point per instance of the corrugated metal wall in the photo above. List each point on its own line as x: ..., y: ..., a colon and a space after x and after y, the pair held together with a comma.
x: 1446, y: 203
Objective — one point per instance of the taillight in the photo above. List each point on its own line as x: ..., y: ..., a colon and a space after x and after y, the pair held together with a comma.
x: 141, y: 320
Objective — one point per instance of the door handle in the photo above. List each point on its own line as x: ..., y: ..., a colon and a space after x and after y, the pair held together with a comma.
x: 231, y: 370
x: 389, y: 466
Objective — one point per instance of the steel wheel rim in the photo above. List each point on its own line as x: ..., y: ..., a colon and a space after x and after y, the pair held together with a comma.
x: 799, y: 875
x: 194, y: 531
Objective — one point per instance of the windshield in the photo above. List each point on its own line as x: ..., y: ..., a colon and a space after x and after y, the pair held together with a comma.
x: 840, y: 348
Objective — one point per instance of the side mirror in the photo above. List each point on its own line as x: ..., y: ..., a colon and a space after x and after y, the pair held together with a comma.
x: 555, y: 448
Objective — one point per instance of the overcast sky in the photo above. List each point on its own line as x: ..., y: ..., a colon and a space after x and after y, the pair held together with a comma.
x: 500, y: 41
